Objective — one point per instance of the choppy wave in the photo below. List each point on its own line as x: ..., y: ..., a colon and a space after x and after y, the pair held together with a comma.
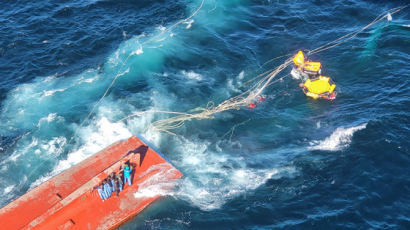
x: 51, y: 81
x: 214, y: 177
x: 339, y: 139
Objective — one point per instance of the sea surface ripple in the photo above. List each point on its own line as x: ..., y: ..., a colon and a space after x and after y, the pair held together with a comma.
x: 290, y: 163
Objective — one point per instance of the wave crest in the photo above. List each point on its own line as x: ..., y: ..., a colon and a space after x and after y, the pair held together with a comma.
x: 339, y: 139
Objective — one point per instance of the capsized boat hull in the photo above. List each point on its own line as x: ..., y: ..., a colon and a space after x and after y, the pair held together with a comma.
x: 68, y: 201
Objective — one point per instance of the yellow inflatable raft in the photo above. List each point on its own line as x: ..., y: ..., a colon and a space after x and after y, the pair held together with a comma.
x: 321, y: 87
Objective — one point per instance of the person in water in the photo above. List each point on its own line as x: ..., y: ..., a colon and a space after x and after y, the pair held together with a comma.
x: 127, y: 169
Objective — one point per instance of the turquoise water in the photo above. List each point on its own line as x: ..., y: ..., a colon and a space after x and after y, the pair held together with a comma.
x: 291, y: 162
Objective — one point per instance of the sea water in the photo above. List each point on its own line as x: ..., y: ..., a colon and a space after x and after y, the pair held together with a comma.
x: 291, y: 162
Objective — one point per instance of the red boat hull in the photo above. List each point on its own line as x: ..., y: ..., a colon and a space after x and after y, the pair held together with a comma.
x: 68, y: 201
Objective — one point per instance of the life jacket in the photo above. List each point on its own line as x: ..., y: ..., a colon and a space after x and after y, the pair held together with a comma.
x: 306, y: 66
x: 312, y: 68
x: 299, y: 59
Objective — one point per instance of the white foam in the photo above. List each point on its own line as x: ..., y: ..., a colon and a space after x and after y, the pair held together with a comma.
x: 215, y: 187
x: 54, y: 146
x: 50, y: 78
x: 298, y: 75
x: 213, y: 178
x: 48, y: 93
x: 50, y: 117
x: 17, y: 154
x: 161, y: 28
x: 339, y: 139
x: 96, y: 136
x: 8, y: 189
x: 138, y: 51
x: 231, y: 86
x: 115, y: 58
x: 241, y: 75
x: 235, y: 83
x: 157, y: 184
x: 192, y: 75
x: 89, y: 80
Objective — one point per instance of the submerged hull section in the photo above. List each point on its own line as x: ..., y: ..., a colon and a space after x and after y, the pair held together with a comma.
x: 68, y: 200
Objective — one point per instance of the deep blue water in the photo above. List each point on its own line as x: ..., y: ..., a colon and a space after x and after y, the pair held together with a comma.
x: 290, y: 163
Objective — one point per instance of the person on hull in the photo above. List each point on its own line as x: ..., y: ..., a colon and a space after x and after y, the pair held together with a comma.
x: 127, y: 169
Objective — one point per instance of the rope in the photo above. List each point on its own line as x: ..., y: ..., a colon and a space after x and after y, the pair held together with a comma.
x: 132, y: 53
x: 236, y: 102
x: 353, y: 34
x: 120, y: 73
x: 243, y: 99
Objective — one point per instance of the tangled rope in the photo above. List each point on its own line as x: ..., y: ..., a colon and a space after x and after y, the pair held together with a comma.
x: 236, y: 102
x: 132, y: 54
x: 120, y: 73
x: 265, y: 80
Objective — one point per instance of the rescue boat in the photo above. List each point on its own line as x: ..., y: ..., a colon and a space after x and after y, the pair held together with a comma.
x: 69, y: 200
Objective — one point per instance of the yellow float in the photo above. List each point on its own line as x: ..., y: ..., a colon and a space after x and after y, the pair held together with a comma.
x: 321, y: 87
x: 315, y: 86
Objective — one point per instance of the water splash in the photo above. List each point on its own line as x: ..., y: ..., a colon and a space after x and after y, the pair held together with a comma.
x: 339, y: 139
x: 213, y: 178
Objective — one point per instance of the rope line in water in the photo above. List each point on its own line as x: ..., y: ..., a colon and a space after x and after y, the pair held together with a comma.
x: 236, y: 102
x: 246, y: 97
x: 133, y: 53
x: 353, y: 34
x: 120, y: 73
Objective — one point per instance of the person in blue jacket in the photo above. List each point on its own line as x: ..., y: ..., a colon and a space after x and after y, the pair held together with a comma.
x: 107, y: 188
x: 127, y: 169
x: 100, y: 189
